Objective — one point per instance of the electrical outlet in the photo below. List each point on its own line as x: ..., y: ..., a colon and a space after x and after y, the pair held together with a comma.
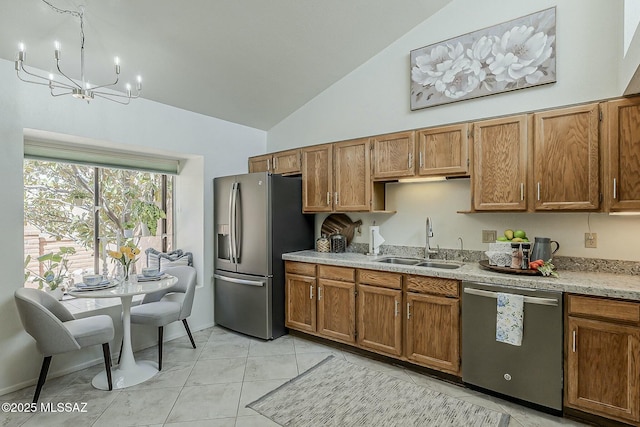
x: 489, y: 236
x: 590, y: 240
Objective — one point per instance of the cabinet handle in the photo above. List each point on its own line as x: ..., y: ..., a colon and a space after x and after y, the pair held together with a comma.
x: 275, y: 163
x: 310, y: 291
x: 421, y: 161
x: 396, y: 311
x: 410, y: 161
x: 614, y: 188
x: 319, y: 293
x: 328, y: 198
x: 574, y: 341
x: 336, y: 198
x: 408, y: 311
x: 268, y: 165
x: 538, y: 191
x: 522, y: 191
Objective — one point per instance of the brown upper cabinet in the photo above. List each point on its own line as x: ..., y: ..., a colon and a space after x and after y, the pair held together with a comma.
x: 566, y: 159
x: 317, y: 178
x: 336, y: 177
x: 443, y: 151
x: 622, y: 155
x: 392, y: 155
x: 283, y: 162
x: 549, y: 162
x: 499, y: 172
x: 260, y: 163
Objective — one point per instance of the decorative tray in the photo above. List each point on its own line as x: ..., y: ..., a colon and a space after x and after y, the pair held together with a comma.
x: 485, y: 264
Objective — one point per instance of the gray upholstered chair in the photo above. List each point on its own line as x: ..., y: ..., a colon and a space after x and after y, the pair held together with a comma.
x: 167, y: 306
x: 57, y: 331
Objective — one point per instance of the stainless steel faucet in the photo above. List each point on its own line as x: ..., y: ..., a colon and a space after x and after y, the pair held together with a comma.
x: 427, y: 248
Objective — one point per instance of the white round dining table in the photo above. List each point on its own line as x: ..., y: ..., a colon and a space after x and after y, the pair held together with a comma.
x: 129, y: 372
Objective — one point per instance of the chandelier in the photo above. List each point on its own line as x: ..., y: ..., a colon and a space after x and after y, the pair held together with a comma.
x: 66, y: 85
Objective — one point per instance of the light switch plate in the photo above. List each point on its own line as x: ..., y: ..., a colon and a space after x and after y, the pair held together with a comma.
x: 590, y: 240
x: 489, y: 236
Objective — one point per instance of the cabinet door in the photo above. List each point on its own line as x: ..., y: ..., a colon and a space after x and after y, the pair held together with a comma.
x: 499, y: 172
x: 260, y: 163
x: 443, y: 151
x: 602, y: 368
x: 433, y: 332
x: 352, y: 176
x: 380, y: 319
x: 622, y: 186
x: 392, y: 156
x: 300, y: 295
x: 566, y: 159
x: 286, y: 162
x: 337, y: 310
x: 317, y: 178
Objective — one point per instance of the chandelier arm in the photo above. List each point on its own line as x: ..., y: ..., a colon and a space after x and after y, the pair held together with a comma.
x: 109, y: 97
x: 24, y: 70
x: 31, y: 81
x: 105, y: 85
x: 60, y: 94
x: 67, y: 77
x: 115, y: 95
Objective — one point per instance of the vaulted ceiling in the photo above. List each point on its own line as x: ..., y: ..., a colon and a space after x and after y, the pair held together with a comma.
x: 252, y: 62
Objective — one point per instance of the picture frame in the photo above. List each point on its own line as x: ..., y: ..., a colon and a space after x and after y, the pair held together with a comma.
x: 513, y: 55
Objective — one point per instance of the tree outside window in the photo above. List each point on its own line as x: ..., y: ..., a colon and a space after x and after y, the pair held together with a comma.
x: 86, y: 207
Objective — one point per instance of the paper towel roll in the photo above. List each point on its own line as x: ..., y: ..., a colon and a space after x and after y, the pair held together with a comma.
x: 375, y: 240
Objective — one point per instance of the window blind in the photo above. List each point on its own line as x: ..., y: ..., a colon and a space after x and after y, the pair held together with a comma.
x: 91, y: 155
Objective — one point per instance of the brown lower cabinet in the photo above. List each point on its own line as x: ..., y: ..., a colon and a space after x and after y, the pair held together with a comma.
x: 412, y: 318
x: 322, y: 302
x: 380, y: 312
x: 602, y: 349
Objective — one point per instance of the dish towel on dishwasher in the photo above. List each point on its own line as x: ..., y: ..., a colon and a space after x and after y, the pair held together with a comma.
x: 509, y: 318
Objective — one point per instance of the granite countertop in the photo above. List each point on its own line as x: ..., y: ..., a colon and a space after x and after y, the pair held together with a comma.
x: 586, y: 283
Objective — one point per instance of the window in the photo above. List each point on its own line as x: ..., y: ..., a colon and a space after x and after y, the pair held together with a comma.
x: 88, y: 208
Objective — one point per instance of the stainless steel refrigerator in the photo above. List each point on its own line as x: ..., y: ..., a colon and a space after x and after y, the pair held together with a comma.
x: 257, y: 218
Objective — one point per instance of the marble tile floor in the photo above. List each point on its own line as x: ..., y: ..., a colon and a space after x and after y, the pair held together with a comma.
x: 211, y: 385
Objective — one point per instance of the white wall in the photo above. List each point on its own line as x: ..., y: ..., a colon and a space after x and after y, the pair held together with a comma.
x: 211, y: 147
x: 374, y: 99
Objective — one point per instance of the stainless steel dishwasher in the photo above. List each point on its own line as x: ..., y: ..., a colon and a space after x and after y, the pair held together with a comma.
x: 531, y: 372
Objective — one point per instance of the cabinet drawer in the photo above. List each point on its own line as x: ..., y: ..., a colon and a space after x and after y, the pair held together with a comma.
x: 380, y: 278
x: 622, y: 311
x: 345, y: 274
x: 433, y: 285
x: 301, y: 268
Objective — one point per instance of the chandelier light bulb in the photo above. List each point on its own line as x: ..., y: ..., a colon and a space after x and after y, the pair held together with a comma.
x: 21, y: 55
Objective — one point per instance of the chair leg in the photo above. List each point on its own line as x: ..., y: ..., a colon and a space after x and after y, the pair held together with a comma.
x: 42, y: 378
x: 160, y: 330
x: 107, y: 363
x: 186, y: 326
x: 120, y: 354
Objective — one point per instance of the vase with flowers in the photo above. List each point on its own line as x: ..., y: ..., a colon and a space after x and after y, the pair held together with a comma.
x: 125, y: 256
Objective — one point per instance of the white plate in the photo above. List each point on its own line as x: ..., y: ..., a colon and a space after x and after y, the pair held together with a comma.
x: 85, y: 288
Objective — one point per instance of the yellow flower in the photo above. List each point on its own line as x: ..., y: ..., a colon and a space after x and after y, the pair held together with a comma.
x: 115, y: 254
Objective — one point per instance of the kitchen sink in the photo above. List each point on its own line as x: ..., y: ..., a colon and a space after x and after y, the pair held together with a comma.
x: 398, y: 260
x: 433, y: 264
x: 419, y: 262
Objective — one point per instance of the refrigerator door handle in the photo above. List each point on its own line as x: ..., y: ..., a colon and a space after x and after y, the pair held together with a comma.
x: 232, y: 222
x: 237, y: 224
x: 258, y: 283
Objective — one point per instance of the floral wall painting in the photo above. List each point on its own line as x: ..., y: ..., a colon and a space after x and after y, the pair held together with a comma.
x: 513, y: 55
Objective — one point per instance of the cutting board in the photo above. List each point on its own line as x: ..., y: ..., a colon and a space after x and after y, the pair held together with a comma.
x: 340, y: 223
